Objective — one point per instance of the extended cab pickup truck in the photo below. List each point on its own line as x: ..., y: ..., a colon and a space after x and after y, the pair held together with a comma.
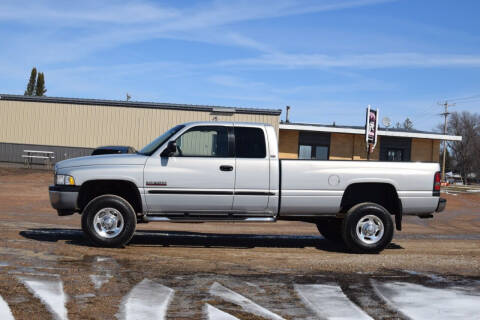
x: 224, y: 171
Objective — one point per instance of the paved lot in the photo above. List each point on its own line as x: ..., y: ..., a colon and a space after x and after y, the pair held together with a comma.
x: 230, y: 271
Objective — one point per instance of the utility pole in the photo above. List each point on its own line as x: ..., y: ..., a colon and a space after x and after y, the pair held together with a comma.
x: 445, y: 114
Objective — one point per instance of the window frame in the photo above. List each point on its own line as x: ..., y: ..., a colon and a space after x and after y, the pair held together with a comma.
x: 230, y: 142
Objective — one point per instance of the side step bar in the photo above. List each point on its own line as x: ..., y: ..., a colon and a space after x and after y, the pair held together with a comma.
x: 207, y: 219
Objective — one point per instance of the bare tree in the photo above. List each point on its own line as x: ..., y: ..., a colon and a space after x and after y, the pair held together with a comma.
x: 407, y: 124
x: 466, y: 153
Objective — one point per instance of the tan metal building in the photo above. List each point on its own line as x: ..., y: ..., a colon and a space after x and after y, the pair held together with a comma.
x: 73, y: 127
x: 70, y: 127
x: 324, y: 142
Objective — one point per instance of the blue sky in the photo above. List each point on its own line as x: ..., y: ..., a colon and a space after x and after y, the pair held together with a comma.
x: 327, y: 59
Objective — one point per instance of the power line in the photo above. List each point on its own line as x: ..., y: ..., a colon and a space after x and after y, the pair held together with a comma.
x: 476, y: 96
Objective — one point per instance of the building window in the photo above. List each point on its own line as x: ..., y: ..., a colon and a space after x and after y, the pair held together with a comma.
x: 315, y: 152
x: 313, y: 145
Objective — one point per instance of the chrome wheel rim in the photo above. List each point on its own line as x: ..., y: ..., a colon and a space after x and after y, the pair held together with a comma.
x: 370, y: 229
x: 108, y: 223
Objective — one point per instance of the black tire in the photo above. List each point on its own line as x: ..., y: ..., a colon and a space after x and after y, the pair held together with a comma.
x: 120, y: 207
x: 331, y: 229
x: 365, y: 242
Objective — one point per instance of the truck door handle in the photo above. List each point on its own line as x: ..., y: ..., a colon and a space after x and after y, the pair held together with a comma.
x: 226, y: 168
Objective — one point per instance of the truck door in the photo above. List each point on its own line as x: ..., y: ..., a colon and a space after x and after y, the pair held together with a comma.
x: 198, y: 178
x: 252, y: 176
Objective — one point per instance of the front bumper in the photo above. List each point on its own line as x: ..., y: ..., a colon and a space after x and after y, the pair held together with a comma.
x: 442, y: 203
x: 64, y: 199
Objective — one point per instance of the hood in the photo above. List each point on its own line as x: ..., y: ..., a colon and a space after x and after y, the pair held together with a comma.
x: 108, y: 159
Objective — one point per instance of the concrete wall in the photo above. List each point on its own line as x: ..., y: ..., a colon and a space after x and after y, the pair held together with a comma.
x: 436, y: 151
x: 288, y: 144
x: 341, y: 146
x: 90, y: 126
x: 425, y: 149
x: 360, y: 149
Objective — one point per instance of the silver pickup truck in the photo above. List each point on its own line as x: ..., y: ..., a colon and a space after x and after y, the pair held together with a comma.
x: 224, y: 171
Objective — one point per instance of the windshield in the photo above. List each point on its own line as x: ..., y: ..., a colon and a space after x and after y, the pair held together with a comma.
x: 152, y: 146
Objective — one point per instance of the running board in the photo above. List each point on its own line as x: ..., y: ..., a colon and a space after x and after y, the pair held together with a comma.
x: 208, y: 219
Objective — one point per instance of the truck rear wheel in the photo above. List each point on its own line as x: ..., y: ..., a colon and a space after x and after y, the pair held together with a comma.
x: 109, y: 221
x: 367, y: 228
x: 331, y: 229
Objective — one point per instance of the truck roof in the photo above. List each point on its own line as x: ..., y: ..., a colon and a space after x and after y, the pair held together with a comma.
x: 228, y: 123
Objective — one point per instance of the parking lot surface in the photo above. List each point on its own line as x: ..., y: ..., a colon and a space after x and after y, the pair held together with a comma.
x: 283, y: 270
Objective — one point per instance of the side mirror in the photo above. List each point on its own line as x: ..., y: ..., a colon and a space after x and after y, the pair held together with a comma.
x: 170, y: 149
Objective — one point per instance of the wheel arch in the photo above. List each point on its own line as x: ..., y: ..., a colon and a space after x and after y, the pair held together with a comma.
x: 382, y: 193
x: 123, y: 188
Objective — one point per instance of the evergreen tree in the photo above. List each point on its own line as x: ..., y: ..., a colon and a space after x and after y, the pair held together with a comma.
x: 31, y: 83
x: 40, y: 88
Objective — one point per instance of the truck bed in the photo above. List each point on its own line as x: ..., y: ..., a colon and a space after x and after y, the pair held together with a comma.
x: 316, y: 187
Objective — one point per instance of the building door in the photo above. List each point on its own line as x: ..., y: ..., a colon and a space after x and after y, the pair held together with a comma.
x: 198, y: 178
x: 395, y: 149
x: 313, y: 146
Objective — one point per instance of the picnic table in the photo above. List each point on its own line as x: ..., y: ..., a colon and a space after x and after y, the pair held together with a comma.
x: 30, y: 155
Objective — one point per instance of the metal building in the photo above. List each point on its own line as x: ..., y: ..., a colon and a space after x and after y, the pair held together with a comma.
x: 74, y: 127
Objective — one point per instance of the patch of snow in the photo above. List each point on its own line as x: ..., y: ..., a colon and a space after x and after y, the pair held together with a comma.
x: 3, y: 264
x: 147, y: 300
x: 248, y: 305
x: 101, y: 259
x: 420, y: 302
x: 329, y: 302
x: 428, y: 275
x: 85, y: 296
x: 5, y: 312
x: 98, y: 280
x: 51, y: 293
x: 217, y: 314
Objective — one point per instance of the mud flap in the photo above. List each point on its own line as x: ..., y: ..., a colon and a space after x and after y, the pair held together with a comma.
x: 398, y: 220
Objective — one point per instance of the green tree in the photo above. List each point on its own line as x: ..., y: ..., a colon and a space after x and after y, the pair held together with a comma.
x: 40, y: 88
x: 31, y: 83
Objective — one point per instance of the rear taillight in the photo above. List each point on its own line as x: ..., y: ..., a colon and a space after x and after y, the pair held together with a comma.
x: 436, y: 184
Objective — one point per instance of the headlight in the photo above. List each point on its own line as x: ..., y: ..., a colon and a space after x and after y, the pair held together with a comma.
x: 61, y: 179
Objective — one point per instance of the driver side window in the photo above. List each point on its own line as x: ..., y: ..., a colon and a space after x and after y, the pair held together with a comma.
x: 203, y: 141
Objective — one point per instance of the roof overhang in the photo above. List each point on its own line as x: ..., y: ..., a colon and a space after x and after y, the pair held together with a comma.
x: 389, y: 133
x: 140, y: 104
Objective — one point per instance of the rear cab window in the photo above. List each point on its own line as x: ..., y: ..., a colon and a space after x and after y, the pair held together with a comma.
x: 249, y: 142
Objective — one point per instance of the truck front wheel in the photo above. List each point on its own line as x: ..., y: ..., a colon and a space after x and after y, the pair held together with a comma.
x: 367, y: 228
x: 109, y: 221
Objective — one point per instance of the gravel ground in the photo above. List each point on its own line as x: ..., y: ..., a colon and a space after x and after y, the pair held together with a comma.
x: 270, y: 264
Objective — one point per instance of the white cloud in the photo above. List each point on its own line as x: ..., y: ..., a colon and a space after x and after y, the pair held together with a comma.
x: 365, y: 61
x: 55, y: 13
x: 67, y: 31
